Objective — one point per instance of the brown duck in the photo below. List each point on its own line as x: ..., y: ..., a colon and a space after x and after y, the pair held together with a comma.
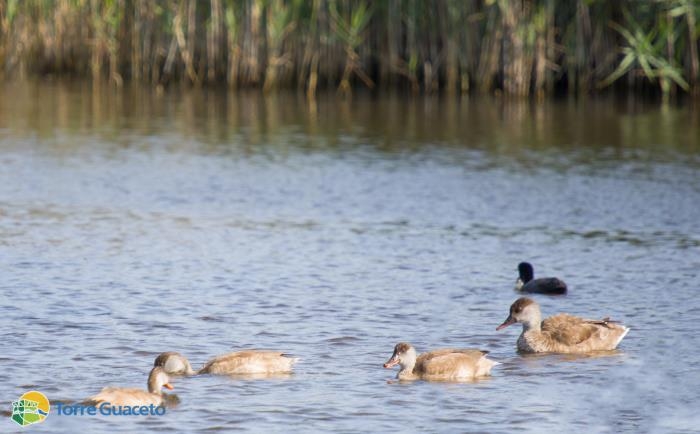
x: 561, y: 333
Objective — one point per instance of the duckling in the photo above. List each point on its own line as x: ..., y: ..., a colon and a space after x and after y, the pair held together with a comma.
x: 445, y: 364
x: 250, y: 362
x: 121, y: 396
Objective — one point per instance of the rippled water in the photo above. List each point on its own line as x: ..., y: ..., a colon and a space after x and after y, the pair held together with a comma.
x: 133, y: 223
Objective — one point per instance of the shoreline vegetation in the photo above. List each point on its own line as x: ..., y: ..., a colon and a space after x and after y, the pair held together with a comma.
x: 520, y: 48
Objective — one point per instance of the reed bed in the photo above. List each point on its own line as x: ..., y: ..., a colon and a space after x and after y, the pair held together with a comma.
x: 517, y: 47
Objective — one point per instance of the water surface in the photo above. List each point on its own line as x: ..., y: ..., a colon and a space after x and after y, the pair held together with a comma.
x: 199, y: 221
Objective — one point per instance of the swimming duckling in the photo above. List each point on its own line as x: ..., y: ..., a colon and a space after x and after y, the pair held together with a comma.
x: 250, y: 362
x: 121, y: 396
x: 445, y: 364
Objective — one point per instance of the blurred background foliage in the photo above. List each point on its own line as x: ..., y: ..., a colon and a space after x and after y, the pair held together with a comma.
x: 517, y: 47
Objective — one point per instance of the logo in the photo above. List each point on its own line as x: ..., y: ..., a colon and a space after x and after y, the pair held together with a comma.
x: 32, y: 407
x: 107, y: 409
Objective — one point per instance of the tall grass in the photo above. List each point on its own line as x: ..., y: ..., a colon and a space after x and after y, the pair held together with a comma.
x: 518, y: 47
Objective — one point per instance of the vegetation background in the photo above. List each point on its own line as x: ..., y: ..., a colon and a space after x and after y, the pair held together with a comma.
x: 518, y: 47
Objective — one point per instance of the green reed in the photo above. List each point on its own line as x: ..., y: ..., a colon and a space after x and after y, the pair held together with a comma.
x: 518, y: 47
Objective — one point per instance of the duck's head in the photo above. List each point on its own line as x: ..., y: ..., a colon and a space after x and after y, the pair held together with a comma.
x: 523, y: 310
x: 526, y: 272
x: 404, y: 355
x: 174, y: 363
x: 158, y: 379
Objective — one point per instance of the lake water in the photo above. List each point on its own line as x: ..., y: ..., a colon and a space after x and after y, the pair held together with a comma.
x: 133, y: 223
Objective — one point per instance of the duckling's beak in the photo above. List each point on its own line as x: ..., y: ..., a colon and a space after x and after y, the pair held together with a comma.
x: 168, y: 386
x: 393, y: 361
x: 509, y: 321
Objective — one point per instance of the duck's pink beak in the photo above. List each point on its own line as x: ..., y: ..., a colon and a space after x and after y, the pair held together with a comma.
x: 509, y: 321
x: 168, y: 386
x: 393, y: 361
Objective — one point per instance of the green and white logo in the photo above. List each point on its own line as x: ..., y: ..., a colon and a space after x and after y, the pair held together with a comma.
x: 32, y: 407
